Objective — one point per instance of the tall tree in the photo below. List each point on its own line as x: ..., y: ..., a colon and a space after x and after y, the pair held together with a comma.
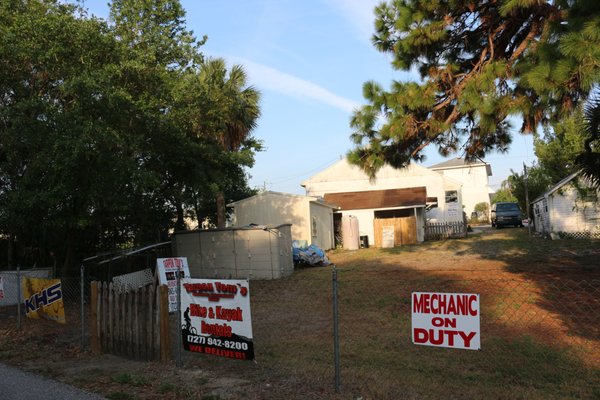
x: 227, y: 112
x: 560, y: 145
x: 589, y: 159
x: 480, y: 62
x: 61, y: 159
x: 537, y: 183
x: 100, y: 142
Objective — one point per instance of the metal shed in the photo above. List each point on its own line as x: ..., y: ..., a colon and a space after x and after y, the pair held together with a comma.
x: 255, y: 252
x: 311, y: 217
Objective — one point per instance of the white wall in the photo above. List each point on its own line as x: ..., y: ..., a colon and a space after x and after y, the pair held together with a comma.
x: 279, y: 208
x: 343, y: 177
x: 570, y: 214
x: 324, y: 223
x: 475, y: 185
x: 275, y: 209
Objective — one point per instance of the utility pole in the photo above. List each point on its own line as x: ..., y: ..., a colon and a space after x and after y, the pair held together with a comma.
x: 527, y: 198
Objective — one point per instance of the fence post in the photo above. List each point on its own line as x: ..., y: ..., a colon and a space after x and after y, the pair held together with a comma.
x: 82, y: 305
x: 165, y: 340
x: 18, y: 297
x: 178, y: 330
x: 94, y: 318
x: 336, y: 336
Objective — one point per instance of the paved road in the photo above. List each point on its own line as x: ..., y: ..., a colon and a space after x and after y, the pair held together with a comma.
x: 19, y: 385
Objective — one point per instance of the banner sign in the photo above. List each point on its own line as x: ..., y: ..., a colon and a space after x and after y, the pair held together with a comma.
x: 216, y: 315
x: 446, y: 320
x: 1, y: 287
x: 167, y: 269
x: 44, y: 299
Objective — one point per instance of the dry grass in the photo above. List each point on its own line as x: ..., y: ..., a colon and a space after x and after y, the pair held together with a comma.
x: 540, y: 330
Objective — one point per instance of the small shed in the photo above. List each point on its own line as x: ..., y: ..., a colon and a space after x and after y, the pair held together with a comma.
x: 569, y: 209
x: 262, y: 252
x: 311, y: 217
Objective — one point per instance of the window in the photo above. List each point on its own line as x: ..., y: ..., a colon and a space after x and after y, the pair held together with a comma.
x: 451, y: 196
x: 545, y: 202
x: 314, y: 227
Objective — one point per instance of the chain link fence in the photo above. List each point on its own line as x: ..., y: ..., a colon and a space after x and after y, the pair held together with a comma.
x: 540, y: 336
x: 75, y: 295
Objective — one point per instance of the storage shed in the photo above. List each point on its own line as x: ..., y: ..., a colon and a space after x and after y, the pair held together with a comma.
x: 250, y: 252
x: 311, y: 217
x: 569, y: 209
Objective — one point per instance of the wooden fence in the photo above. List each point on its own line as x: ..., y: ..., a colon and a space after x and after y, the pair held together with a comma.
x: 405, y: 230
x: 132, y: 324
x: 445, y: 230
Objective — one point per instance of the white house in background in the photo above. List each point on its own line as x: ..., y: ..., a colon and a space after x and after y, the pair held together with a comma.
x: 474, y: 179
x: 565, y: 210
x: 310, y: 216
x: 413, y: 192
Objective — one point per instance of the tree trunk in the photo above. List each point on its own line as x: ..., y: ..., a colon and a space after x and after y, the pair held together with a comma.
x: 9, y: 250
x: 180, y: 224
x: 220, y: 210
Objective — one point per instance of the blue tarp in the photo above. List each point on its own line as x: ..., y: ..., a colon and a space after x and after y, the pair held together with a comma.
x: 311, y: 255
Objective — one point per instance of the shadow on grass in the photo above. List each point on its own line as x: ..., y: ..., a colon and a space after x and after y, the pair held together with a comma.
x: 293, y: 326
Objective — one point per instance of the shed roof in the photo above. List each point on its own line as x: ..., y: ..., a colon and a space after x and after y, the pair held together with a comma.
x: 557, y: 186
x: 373, y: 199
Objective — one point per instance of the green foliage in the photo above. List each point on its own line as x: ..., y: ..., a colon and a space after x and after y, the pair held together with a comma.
x: 537, y: 183
x: 503, y: 195
x: 108, y: 133
x: 589, y: 159
x: 480, y: 62
x: 482, y: 207
x: 557, y: 150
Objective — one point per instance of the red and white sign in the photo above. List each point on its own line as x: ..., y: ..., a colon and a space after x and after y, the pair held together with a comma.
x: 168, y: 268
x: 216, y: 315
x: 446, y: 320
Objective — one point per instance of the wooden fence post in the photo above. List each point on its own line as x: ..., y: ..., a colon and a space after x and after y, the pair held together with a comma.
x: 150, y: 326
x: 94, y: 318
x: 165, y: 340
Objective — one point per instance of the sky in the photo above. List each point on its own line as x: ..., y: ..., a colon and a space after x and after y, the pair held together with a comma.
x: 309, y: 59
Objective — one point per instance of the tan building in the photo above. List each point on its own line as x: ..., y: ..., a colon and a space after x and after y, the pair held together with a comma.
x: 405, y: 198
x: 310, y: 216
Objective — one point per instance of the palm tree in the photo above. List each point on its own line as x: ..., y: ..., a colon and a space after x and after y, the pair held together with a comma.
x: 589, y: 160
x: 232, y: 114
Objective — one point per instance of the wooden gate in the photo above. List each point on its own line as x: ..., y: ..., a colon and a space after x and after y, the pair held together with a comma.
x: 133, y: 324
x: 405, y: 230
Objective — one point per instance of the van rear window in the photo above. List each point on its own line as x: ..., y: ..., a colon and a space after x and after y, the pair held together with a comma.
x: 508, y: 207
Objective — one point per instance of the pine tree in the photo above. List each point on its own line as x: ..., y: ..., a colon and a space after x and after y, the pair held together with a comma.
x: 479, y: 62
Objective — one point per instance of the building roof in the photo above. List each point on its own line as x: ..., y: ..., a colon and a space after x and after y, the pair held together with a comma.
x: 268, y: 193
x: 461, y: 163
x: 556, y: 187
x: 373, y: 199
x: 350, y: 172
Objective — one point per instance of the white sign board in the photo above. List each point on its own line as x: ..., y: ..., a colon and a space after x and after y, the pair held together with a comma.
x: 216, y: 315
x: 446, y: 320
x: 387, y: 237
x: 1, y: 288
x: 452, y: 209
x: 167, y: 270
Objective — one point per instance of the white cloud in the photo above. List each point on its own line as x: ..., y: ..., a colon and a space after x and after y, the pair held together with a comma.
x: 268, y: 78
x: 358, y: 13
